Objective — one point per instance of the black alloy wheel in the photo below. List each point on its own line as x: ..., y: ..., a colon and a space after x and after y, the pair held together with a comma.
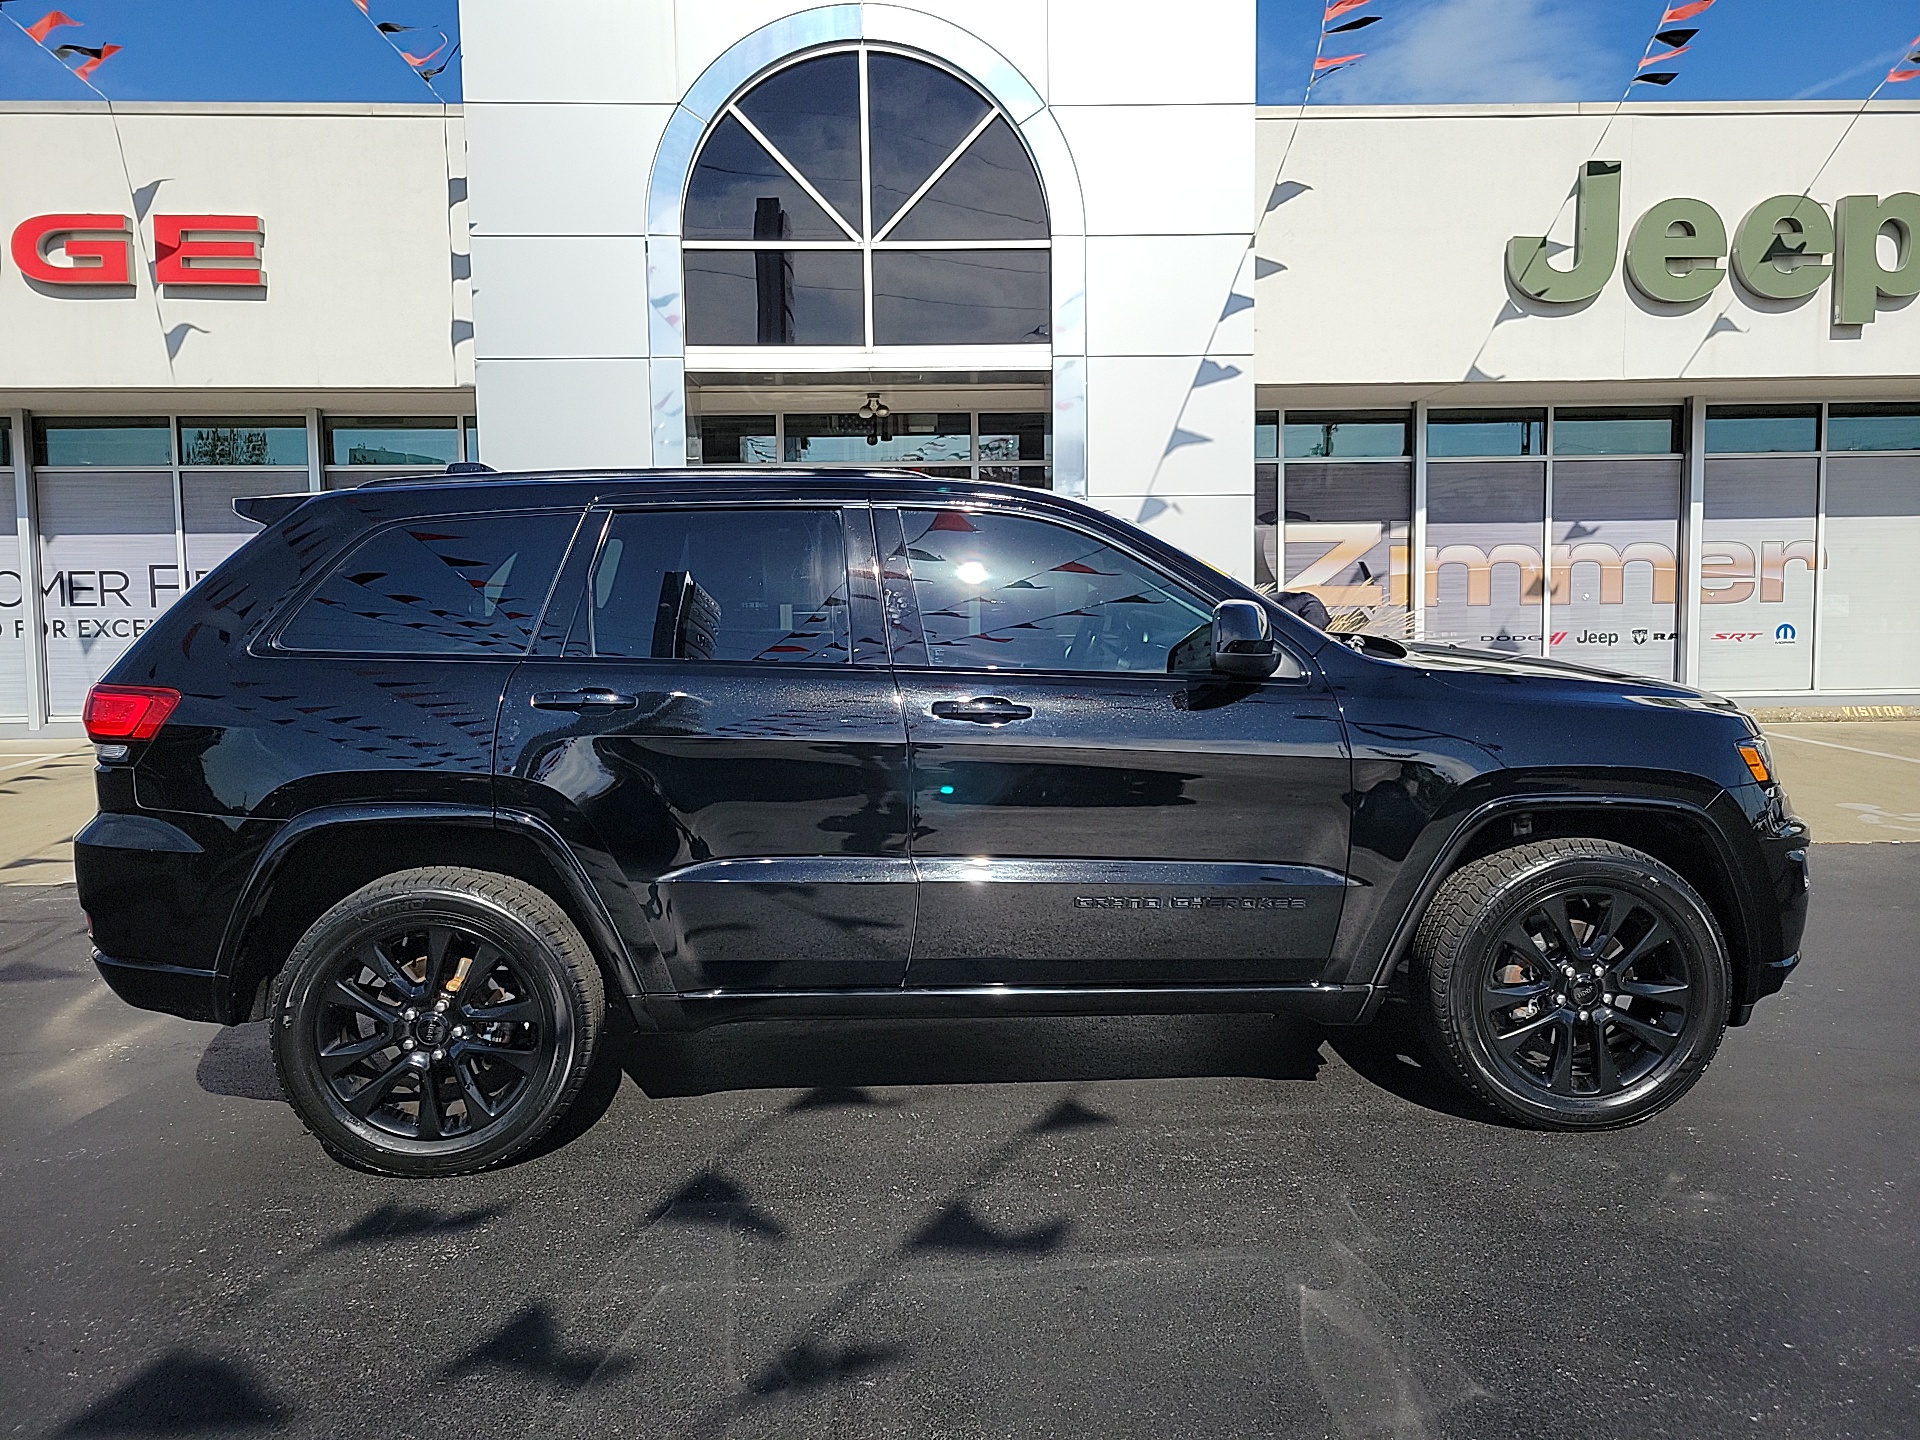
x: 1573, y: 984
x: 436, y: 1021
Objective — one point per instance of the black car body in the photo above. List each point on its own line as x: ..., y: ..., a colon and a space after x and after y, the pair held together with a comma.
x: 885, y: 809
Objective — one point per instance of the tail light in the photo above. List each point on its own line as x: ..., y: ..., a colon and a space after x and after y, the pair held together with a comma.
x: 127, y: 712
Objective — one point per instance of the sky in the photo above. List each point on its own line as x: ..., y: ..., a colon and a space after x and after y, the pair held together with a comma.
x: 1422, y: 51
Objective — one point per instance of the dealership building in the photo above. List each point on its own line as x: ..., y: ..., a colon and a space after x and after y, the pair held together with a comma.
x: 1635, y: 386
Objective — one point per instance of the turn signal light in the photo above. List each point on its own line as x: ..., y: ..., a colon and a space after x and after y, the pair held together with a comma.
x: 127, y: 712
x: 1756, y: 759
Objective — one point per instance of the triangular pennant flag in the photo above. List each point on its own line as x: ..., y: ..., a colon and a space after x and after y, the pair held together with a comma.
x: 1666, y: 77
x: 1341, y: 7
x: 1675, y: 37
x: 100, y: 55
x: 418, y: 60
x: 1686, y: 12
x: 1664, y: 55
x: 387, y: 27
x: 1332, y: 61
x: 47, y: 24
x: 1900, y: 77
x: 1360, y: 24
x: 362, y: 4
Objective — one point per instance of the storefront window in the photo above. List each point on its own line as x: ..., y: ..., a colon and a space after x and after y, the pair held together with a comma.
x: 874, y: 163
x: 736, y: 440
x: 111, y: 440
x: 1266, y: 434
x: 1486, y: 521
x: 393, y: 440
x: 1346, y: 540
x: 13, y: 608
x: 6, y: 441
x: 1474, y: 433
x: 1757, y: 563
x: 472, y: 427
x: 1870, y: 593
x: 924, y: 439
x: 1013, y: 438
x: 1616, y: 541
x: 1762, y: 429
x: 1874, y: 427
x: 1346, y: 435
x: 1634, y: 431
x: 243, y: 442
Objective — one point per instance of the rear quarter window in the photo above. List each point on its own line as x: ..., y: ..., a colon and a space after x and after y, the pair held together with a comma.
x: 458, y: 585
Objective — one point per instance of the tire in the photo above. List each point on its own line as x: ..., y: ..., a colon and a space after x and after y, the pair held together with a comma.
x: 1571, y: 984
x: 436, y: 1022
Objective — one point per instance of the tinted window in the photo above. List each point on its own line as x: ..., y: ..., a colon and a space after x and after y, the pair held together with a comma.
x: 1874, y: 427
x: 1486, y: 432
x: 1000, y: 592
x: 962, y: 297
x: 1758, y: 430
x: 109, y: 441
x: 393, y: 440
x: 767, y: 585
x: 243, y: 442
x: 774, y: 297
x: 1639, y: 431
x: 459, y: 586
x: 1350, y: 436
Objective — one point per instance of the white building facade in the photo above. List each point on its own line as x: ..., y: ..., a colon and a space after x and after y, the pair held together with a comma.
x: 1638, y: 387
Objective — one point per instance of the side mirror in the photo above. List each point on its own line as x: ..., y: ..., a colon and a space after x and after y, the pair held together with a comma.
x: 1243, y: 643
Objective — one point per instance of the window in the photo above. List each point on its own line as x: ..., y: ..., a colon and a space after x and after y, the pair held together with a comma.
x: 6, y: 441
x: 472, y: 427
x: 737, y: 440
x: 755, y: 585
x: 944, y: 242
x: 394, y: 440
x: 243, y: 442
x: 469, y: 585
x: 1762, y: 429
x: 118, y: 441
x: 1001, y: 592
x: 1266, y: 435
x: 1637, y: 431
x: 923, y: 439
x: 1874, y: 427
x: 1477, y: 434
x: 1361, y: 435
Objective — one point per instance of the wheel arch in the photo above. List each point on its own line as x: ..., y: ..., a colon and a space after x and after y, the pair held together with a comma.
x: 325, y: 855
x: 1678, y: 833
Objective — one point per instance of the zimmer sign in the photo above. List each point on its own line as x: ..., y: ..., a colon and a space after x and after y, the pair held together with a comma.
x: 1786, y: 248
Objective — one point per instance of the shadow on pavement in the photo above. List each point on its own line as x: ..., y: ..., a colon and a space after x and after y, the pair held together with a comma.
x: 236, y: 1063
x: 183, y: 1393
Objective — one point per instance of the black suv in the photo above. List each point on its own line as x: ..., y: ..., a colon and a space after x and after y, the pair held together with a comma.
x: 429, y: 768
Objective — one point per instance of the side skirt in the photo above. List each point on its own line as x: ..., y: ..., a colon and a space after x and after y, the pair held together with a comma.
x: 1328, y: 1004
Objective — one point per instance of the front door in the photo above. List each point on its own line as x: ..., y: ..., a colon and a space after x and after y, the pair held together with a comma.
x: 719, y: 729
x: 1081, y: 816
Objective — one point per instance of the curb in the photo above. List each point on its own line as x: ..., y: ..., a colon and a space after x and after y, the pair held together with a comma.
x: 1796, y: 714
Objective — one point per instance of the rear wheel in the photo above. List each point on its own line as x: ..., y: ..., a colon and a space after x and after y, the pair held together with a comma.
x: 436, y: 1021
x: 1572, y: 984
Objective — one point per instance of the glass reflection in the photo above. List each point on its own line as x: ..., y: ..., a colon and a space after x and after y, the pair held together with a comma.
x: 989, y: 193
x: 740, y: 192
x: 243, y: 442
x: 962, y: 297
x: 920, y: 114
x: 811, y: 114
x: 928, y: 439
x: 736, y: 440
x: 766, y: 297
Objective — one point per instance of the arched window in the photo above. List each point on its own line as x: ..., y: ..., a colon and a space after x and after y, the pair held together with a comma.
x: 865, y: 198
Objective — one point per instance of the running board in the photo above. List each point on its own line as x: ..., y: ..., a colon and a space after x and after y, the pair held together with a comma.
x: 1329, y: 1004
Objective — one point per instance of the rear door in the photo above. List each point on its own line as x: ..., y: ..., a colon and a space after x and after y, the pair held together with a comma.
x: 716, y: 728
x: 1081, y: 816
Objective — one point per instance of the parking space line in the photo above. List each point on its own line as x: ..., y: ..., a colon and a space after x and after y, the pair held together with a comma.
x: 1836, y: 745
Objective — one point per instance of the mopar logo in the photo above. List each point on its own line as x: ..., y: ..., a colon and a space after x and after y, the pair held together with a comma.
x: 1785, y: 635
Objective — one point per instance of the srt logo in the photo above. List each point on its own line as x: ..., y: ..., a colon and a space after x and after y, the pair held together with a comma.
x: 1738, y: 639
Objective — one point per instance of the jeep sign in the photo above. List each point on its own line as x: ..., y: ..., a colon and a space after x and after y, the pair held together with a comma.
x: 1785, y: 248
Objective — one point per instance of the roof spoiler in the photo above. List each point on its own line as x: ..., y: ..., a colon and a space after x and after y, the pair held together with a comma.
x: 268, y: 509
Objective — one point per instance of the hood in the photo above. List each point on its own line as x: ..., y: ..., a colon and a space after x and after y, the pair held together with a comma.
x: 1446, y: 660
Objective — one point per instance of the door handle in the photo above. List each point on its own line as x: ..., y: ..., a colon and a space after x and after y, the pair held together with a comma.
x: 982, y: 710
x: 583, y: 700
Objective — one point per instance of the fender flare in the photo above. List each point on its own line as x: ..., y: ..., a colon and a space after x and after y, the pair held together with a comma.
x: 1474, y: 821
x: 257, y: 892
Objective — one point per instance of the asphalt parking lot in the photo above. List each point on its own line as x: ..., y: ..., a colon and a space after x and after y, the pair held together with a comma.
x: 1131, y: 1227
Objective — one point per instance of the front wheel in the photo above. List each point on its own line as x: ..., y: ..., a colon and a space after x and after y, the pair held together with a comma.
x: 1572, y: 984
x: 436, y: 1021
